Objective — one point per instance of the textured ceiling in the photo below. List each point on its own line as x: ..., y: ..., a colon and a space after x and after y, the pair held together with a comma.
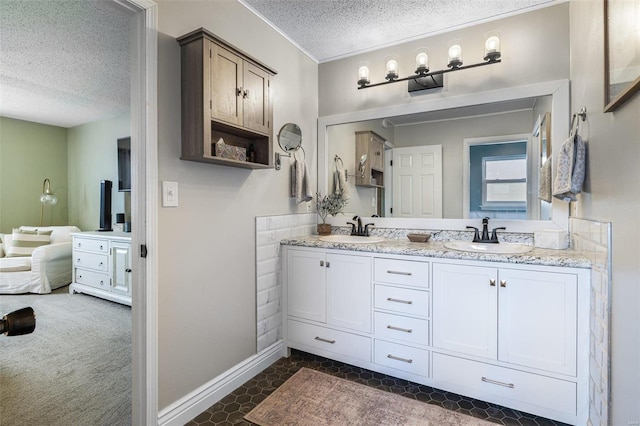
x: 331, y: 29
x: 63, y: 62
x: 66, y: 62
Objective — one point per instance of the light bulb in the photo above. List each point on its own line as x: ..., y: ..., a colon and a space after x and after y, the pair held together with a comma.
x: 454, y: 51
x: 363, y: 75
x: 392, y: 66
x: 392, y: 69
x: 422, y: 63
x: 455, y: 54
x: 492, y: 44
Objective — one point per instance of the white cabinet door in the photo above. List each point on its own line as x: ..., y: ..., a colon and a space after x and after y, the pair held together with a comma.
x: 306, y: 280
x: 349, y: 292
x: 464, y: 309
x: 537, y: 316
x: 121, y: 272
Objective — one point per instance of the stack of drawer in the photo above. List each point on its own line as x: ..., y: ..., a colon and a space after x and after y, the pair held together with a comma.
x: 401, y: 315
x: 91, y: 262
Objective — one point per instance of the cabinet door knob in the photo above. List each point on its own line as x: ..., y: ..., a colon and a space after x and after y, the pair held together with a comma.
x: 239, y: 91
x: 128, y: 270
x: 492, y: 283
x: 503, y: 283
x: 245, y: 94
x: 322, y: 263
x: 327, y: 264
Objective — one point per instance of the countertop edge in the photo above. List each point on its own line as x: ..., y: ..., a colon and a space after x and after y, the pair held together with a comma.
x: 567, y: 258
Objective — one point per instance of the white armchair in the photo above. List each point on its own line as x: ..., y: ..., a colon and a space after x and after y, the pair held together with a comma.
x: 49, y: 267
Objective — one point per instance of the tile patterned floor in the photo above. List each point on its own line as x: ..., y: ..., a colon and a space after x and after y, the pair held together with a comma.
x: 232, y: 409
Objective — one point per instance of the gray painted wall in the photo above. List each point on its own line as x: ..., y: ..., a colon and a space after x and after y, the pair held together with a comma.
x: 535, y: 49
x: 207, y: 276
x: 611, y: 194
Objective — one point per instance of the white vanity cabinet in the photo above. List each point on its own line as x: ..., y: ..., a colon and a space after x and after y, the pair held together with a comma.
x: 102, y: 265
x: 510, y: 334
x: 522, y: 317
x: 329, y: 304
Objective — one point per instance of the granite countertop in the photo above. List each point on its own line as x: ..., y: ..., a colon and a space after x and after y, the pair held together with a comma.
x: 537, y: 256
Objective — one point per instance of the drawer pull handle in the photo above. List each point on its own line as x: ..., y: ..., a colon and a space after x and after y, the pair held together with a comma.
x: 397, y: 358
x: 495, y: 382
x: 408, y: 302
x: 78, y: 261
x: 320, y: 339
x: 100, y: 247
x: 406, y: 330
x: 399, y: 273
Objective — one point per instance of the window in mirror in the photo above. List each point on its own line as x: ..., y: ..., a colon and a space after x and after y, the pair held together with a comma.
x: 498, y: 180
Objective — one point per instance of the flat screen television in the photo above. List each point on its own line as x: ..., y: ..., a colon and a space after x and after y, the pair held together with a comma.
x: 124, y: 164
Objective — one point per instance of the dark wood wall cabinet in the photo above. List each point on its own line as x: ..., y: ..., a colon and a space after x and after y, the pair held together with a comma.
x: 225, y: 95
x: 369, y: 172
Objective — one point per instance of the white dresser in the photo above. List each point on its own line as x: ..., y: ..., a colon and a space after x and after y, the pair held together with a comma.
x: 102, y: 265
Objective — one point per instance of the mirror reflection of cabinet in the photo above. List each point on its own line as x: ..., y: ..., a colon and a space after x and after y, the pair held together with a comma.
x: 369, y: 159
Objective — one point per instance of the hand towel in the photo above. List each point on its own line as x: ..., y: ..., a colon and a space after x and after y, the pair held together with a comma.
x: 342, y: 177
x: 571, y: 169
x: 300, y: 182
x: 544, y: 187
x: 340, y: 183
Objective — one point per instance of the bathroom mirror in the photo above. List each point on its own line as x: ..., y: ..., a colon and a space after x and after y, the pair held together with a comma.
x: 430, y: 122
x: 290, y: 137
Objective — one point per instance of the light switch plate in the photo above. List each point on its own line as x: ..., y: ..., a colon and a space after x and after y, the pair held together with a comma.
x: 169, y: 194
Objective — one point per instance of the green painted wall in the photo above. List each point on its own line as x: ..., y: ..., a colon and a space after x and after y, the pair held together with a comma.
x: 29, y: 153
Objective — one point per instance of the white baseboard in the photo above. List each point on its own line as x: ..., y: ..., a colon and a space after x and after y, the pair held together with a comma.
x: 188, y: 407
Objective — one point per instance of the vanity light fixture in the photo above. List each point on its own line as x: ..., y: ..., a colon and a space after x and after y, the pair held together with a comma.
x: 423, y: 79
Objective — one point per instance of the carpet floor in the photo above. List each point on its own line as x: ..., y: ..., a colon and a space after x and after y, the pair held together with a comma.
x: 74, y: 369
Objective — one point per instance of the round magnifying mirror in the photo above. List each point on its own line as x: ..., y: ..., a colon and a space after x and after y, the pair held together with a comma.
x: 290, y: 137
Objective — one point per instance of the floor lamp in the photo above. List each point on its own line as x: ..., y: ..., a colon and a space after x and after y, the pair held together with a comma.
x: 47, y: 198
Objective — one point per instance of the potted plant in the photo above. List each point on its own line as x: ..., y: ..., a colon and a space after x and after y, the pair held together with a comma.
x: 330, y: 204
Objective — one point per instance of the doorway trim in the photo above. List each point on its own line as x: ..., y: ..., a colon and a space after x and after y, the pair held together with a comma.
x: 144, y: 211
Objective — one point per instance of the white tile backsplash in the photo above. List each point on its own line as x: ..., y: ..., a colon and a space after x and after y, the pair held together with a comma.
x: 269, y: 231
x: 592, y: 239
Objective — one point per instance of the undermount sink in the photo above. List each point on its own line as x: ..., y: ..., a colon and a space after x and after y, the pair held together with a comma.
x: 350, y: 239
x: 501, y: 248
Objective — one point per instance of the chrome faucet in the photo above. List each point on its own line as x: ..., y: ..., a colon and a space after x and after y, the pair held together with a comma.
x: 485, y: 238
x: 358, y: 229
